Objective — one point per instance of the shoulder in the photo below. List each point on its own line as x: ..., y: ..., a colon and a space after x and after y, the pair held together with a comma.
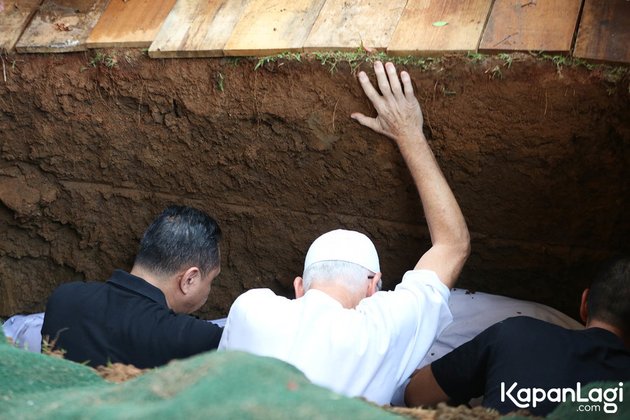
x: 258, y: 297
x: 74, y: 289
x: 74, y: 285
x: 517, y: 322
x: 81, y: 285
x: 258, y: 306
x: 522, y: 329
x: 425, y: 281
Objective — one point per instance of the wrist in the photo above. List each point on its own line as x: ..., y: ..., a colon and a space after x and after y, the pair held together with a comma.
x: 410, y: 137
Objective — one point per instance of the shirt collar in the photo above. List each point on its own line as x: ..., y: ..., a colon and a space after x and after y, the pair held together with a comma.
x: 137, y: 285
x: 604, y: 334
x: 321, y: 298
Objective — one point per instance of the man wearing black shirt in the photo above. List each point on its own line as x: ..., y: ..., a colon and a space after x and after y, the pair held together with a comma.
x: 141, y: 318
x: 526, y: 363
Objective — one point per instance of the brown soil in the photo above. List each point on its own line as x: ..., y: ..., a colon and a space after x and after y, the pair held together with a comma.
x: 537, y: 157
x: 118, y: 372
x: 445, y: 412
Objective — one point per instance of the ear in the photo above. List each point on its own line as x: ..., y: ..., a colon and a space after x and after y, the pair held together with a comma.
x: 189, y: 279
x: 584, y: 306
x: 372, y: 286
x: 298, y: 286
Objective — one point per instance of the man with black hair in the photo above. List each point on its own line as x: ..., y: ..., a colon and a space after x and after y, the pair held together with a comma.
x: 527, y: 363
x: 141, y: 318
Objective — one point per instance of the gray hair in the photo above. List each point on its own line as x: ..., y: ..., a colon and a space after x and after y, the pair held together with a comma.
x: 352, y: 276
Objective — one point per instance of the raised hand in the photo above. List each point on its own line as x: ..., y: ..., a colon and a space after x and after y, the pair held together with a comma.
x: 399, y: 114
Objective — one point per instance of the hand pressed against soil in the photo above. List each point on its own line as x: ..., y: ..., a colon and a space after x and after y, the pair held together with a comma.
x: 399, y: 114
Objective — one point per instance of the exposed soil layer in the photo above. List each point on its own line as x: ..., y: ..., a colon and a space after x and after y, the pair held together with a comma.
x: 538, y: 158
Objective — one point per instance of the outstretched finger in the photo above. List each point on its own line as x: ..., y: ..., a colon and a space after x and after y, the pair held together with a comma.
x: 366, y: 121
x: 393, y: 79
x: 381, y: 78
x: 406, y: 80
x: 369, y: 90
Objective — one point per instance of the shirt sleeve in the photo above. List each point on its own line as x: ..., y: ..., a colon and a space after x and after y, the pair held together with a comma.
x: 417, y: 306
x: 194, y: 336
x: 462, y: 373
x: 405, y: 322
x: 245, y: 321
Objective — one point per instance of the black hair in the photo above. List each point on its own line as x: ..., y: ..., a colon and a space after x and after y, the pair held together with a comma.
x: 181, y: 236
x: 609, y: 296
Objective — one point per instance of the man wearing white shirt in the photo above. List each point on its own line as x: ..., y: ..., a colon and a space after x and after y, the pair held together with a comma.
x: 340, y: 330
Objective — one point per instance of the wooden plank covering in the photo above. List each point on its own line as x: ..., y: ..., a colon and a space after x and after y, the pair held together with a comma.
x: 531, y: 25
x: 435, y: 26
x: 197, y: 28
x: 273, y: 26
x: 346, y: 25
x: 61, y: 26
x: 604, y: 32
x: 14, y: 16
x: 129, y: 23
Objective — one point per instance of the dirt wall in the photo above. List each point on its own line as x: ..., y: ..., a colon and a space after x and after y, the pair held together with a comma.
x: 536, y: 154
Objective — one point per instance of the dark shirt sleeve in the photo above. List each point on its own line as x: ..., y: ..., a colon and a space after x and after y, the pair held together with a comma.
x: 188, y: 336
x: 462, y: 373
x: 201, y: 336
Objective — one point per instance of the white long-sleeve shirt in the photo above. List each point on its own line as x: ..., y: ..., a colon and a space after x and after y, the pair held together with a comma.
x: 367, y: 351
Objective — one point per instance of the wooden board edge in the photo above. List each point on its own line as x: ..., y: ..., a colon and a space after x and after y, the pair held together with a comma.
x: 156, y: 53
x: 259, y: 53
x: 509, y: 51
x: 313, y: 49
x: 49, y: 50
x: 118, y: 44
x: 425, y: 53
x: 601, y: 60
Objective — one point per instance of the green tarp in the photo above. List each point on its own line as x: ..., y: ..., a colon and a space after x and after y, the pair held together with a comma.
x: 225, y: 385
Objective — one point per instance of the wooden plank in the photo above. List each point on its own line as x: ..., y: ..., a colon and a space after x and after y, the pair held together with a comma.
x: 273, y: 26
x: 197, y: 28
x: 14, y: 16
x: 346, y: 25
x: 129, y: 23
x: 61, y: 26
x: 604, y: 32
x: 434, y: 26
x: 531, y: 25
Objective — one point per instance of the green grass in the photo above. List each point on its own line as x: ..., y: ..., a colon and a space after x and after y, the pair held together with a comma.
x: 106, y: 60
x: 476, y: 57
x: 507, y: 58
x: 354, y: 59
x: 263, y: 61
x: 220, y: 81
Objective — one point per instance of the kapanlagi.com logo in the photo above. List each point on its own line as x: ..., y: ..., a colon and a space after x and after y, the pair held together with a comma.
x: 531, y: 397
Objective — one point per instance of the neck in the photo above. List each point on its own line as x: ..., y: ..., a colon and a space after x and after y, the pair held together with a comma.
x: 341, y: 294
x: 152, y: 279
x: 596, y: 323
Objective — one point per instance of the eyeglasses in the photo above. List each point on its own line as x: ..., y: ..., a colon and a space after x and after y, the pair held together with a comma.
x: 379, y: 286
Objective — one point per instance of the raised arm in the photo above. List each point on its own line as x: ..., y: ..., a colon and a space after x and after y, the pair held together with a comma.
x: 400, y: 118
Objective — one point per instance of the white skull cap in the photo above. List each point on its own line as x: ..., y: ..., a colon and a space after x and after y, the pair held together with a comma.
x: 343, y: 245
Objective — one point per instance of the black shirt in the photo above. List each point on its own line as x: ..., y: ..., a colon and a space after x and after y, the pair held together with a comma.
x: 123, y: 320
x: 534, y: 354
